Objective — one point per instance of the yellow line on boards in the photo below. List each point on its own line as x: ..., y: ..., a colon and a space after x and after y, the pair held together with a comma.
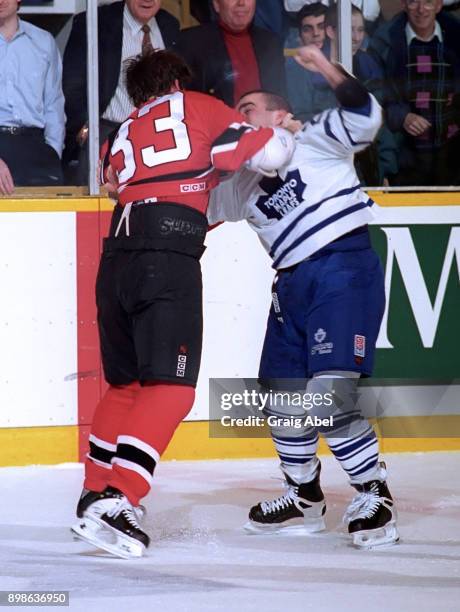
x: 425, y: 198
x: 56, y: 205
x: 38, y: 445
x: 192, y: 440
x: 99, y: 204
x: 53, y: 445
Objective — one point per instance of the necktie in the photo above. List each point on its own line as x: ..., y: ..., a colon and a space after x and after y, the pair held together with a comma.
x: 146, y: 42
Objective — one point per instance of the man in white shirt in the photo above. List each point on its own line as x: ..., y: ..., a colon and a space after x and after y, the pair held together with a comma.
x: 125, y: 30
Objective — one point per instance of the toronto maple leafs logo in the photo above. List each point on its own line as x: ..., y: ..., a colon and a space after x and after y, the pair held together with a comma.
x: 282, y: 196
x: 320, y: 334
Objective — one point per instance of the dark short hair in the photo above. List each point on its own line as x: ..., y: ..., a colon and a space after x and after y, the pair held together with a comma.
x: 153, y: 74
x: 273, y: 101
x: 332, y: 15
x: 310, y: 10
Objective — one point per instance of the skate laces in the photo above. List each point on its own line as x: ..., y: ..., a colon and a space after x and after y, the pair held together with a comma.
x: 363, y: 505
x: 282, y: 502
x: 126, y: 510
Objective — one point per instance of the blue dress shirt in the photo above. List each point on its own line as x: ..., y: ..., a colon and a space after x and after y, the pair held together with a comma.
x: 31, y: 83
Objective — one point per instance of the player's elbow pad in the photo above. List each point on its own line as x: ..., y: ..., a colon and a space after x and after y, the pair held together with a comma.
x: 276, y: 153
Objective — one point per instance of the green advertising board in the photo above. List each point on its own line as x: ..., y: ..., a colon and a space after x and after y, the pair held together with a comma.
x: 420, y: 333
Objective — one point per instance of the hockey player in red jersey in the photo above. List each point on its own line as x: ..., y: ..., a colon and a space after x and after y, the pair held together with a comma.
x: 162, y: 163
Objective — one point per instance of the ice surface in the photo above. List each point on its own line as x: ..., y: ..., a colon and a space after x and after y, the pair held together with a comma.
x: 200, y: 559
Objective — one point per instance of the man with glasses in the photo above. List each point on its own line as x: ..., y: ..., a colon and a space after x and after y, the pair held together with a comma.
x: 419, y: 51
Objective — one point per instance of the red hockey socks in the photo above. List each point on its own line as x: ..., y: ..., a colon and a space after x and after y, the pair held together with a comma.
x: 144, y: 435
x: 110, y: 413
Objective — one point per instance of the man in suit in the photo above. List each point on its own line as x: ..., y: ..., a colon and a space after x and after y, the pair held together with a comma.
x: 232, y: 56
x: 125, y: 30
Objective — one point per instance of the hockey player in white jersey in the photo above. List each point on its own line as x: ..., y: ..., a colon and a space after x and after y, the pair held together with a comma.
x: 328, y: 300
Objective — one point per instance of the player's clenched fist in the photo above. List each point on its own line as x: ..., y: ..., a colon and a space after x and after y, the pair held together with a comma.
x: 310, y: 57
x: 313, y: 59
x: 6, y: 180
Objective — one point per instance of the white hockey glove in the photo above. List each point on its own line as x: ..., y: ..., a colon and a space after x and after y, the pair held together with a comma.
x: 276, y: 153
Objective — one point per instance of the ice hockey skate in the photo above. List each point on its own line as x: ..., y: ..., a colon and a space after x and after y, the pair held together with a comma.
x: 371, y: 516
x: 86, y: 524
x: 110, y: 523
x: 299, y: 511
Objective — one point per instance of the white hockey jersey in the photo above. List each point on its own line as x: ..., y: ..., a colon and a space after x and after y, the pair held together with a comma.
x: 314, y: 199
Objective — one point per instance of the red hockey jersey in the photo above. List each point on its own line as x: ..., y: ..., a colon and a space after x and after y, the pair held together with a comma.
x: 171, y: 148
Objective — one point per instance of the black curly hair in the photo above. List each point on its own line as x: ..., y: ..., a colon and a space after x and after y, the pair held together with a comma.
x: 153, y: 74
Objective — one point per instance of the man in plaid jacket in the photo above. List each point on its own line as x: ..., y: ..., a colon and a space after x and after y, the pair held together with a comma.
x: 419, y: 51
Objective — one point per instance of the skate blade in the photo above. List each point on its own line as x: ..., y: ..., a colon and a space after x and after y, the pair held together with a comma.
x: 122, y: 548
x: 375, y: 538
x: 94, y: 531
x: 308, y: 527
x: 84, y: 526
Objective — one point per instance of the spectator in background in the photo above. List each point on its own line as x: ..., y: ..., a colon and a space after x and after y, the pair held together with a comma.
x: 232, y: 56
x: 32, y: 120
x: 125, y: 30
x: 377, y: 164
x: 419, y: 51
x: 369, y: 8
x: 311, y: 22
x: 363, y: 63
x: 269, y: 15
x: 308, y: 92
